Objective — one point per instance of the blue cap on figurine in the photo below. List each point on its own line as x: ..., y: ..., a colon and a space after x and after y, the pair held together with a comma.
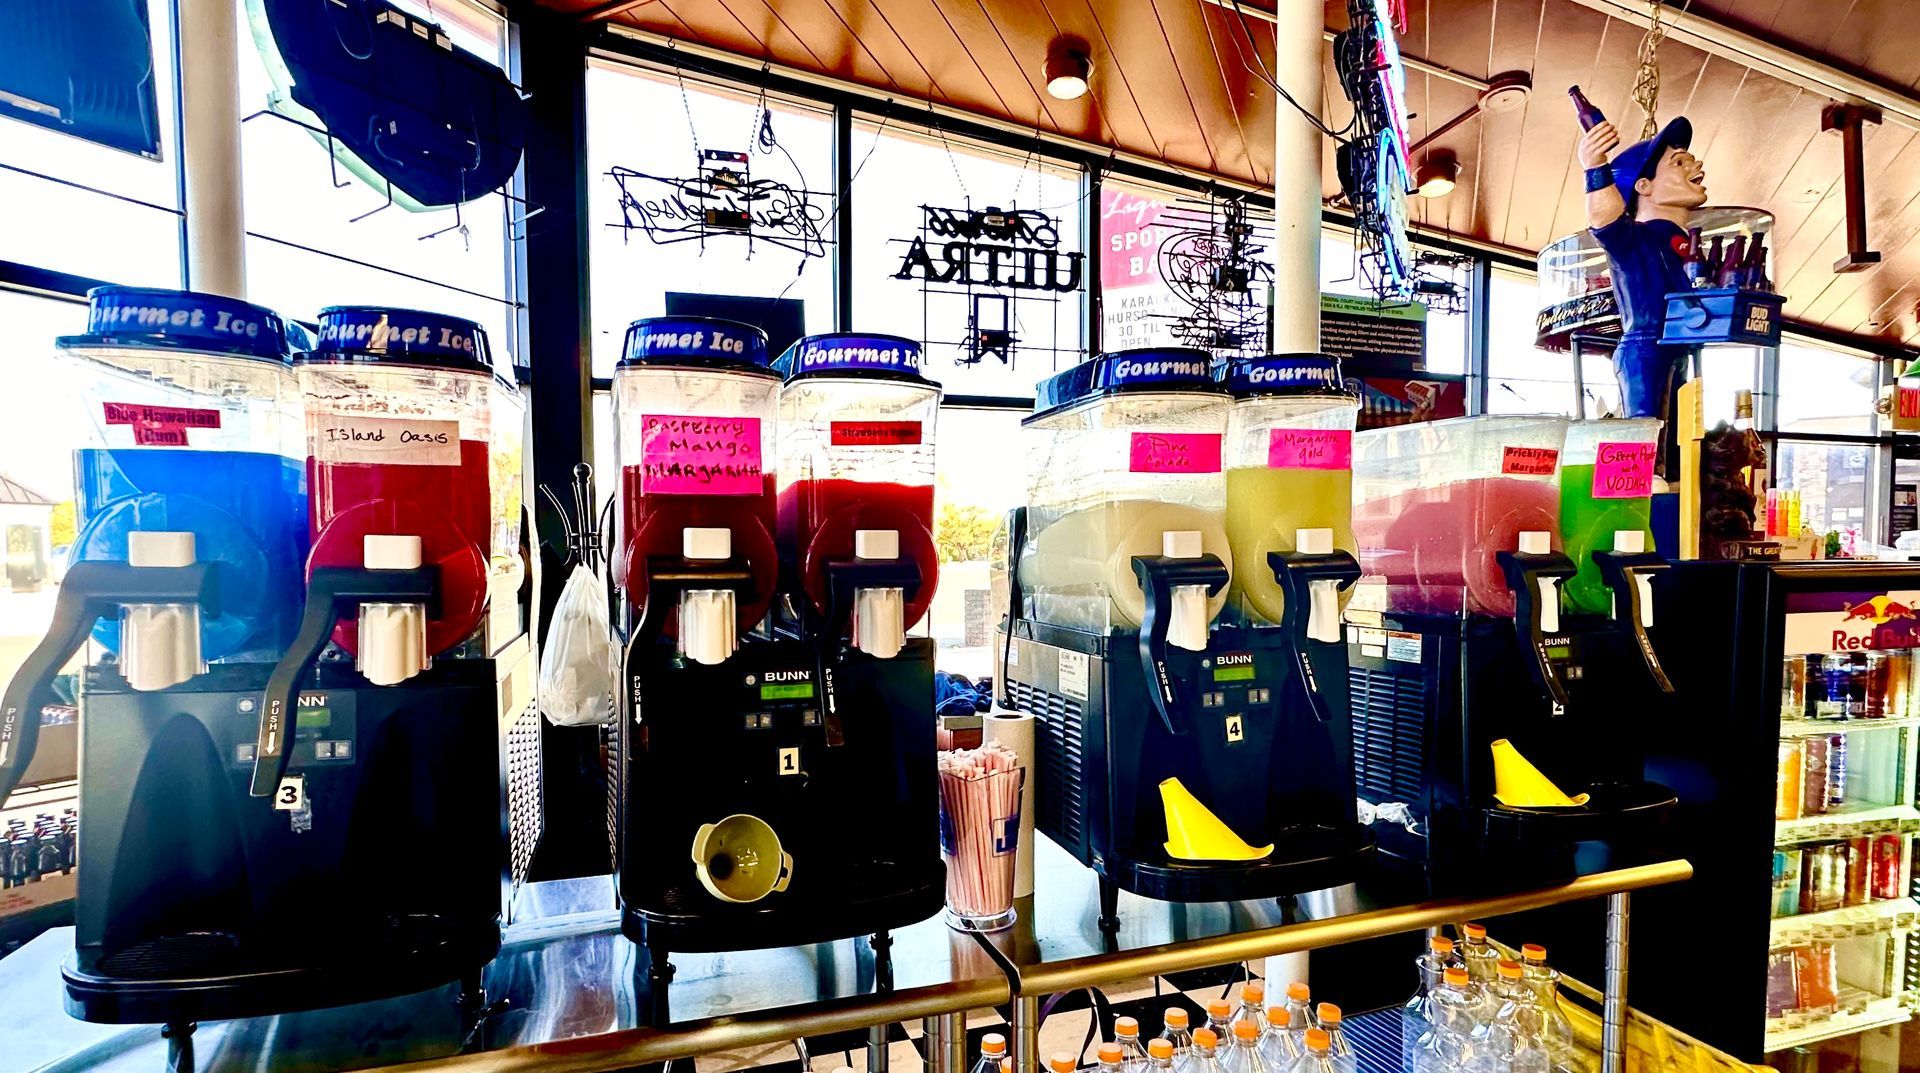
x: 1638, y: 161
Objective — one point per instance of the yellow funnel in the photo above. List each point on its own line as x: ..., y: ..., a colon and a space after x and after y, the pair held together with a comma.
x: 1518, y: 784
x: 1194, y: 833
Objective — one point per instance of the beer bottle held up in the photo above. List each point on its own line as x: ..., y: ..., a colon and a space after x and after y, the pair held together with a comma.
x: 1590, y: 117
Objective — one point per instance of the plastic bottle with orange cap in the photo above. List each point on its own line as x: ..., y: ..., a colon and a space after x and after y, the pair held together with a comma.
x: 1416, y: 1015
x: 1253, y: 999
x: 1173, y: 1029
x: 1450, y: 1044
x: 1279, y: 1047
x: 1159, y: 1055
x: 993, y: 1050
x: 1063, y: 1062
x: 1244, y: 1056
x: 1516, y: 1037
x: 1481, y: 959
x: 1112, y: 1058
x: 1126, y: 1032
x: 1317, y: 1056
x: 1205, y: 1056
x: 1546, y: 987
x: 1341, y: 1052
x: 1220, y: 1019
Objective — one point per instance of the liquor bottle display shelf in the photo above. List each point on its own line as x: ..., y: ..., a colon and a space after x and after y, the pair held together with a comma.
x: 1844, y: 822
x: 1857, y: 1012
x: 1846, y: 922
x: 1808, y: 728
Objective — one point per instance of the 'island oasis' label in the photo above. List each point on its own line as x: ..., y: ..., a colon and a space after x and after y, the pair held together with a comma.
x: 384, y: 441
x: 690, y: 454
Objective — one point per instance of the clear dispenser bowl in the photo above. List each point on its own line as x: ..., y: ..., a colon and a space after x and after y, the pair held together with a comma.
x: 1435, y: 502
x: 1289, y: 463
x: 1093, y: 504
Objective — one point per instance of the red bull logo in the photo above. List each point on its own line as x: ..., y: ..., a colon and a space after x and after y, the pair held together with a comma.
x: 1879, y: 622
x: 1880, y: 610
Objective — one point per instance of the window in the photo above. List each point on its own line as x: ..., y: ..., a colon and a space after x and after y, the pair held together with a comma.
x: 899, y: 169
x: 649, y: 131
x: 1834, y: 485
x: 979, y: 475
x: 1823, y: 390
x: 89, y: 210
x: 311, y: 244
x: 1522, y: 378
x: 38, y: 431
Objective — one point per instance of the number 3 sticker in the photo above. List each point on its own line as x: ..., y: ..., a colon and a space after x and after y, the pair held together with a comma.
x: 292, y: 794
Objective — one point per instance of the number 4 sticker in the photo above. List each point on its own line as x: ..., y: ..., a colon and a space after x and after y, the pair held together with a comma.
x: 292, y: 794
x: 1236, y: 729
x: 790, y: 760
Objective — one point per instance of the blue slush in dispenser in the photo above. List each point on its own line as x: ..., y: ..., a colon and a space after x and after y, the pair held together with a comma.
x: 195, y: 428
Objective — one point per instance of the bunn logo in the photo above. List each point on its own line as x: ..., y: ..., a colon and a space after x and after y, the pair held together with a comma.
x: 789, y: 676
x: 312, y: 700
x: 1233, y: 659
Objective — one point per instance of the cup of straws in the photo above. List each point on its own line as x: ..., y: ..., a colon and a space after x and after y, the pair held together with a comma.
x: 979, y: 832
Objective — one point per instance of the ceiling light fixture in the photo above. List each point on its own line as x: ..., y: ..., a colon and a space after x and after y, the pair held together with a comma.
x: 1068, y: 69
x: 1438, y: 174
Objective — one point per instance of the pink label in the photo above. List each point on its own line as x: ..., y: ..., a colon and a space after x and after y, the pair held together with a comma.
x: 1529, y: 461
x: 1174, y: 452
x: 159, y: 426
x: 1623, y: 470
x: 682, y: 454
x: 1309, y: 448
x: 874, y: 433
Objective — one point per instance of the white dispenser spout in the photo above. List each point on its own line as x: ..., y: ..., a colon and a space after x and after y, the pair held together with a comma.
x: 709, y: 623
x: 879, y: 614
x: 393, y: 636
x: 1323, y: 610
x: 1634, y: 542
x: 159, y: 643
x: 1537, y: 542
x: 1187, y: 616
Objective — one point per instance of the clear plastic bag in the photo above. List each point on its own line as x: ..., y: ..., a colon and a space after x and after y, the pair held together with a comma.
x: 578, y: 667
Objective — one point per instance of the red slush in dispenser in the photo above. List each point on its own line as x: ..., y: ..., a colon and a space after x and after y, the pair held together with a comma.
x: 694, y: 402
x: 856, y: 477
x: 398, y: 441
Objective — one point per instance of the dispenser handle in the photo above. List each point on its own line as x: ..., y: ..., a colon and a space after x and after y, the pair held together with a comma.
x: 1627, y: 575
x: 1296, y: 572
x: 1158, y: 575
x: 845, y: 577
x: 333, y: 592
x: 1524, y: 573
x: 89, y: 591
x: 667, y: 577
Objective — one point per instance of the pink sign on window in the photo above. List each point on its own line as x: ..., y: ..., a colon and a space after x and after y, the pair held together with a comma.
x: 1624, y: 470
x: 1309, y: 448
x: 683, y: 454
x: 1174, y: 452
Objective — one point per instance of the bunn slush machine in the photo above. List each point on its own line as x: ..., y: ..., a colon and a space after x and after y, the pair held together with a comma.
x: 380, y: 725
x: 1176, y: 754
x: 1493, y: 696
x: 777, y: 784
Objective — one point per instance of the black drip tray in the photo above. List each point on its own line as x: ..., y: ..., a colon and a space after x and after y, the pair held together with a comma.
x: 165, y: 957
x: 1304, y: 858
x: 1614, y: 811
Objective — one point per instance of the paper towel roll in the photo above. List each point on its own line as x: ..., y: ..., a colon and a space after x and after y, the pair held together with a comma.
x: 1015, y: 731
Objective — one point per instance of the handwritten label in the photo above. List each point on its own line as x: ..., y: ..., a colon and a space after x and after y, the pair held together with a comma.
x: 1529, y: 461
x: 1624, y: 470
x: 159, y: 426
x: 1174, y: 452
x: 684, y: 454
x: 1309, y: 448
x: 384, y: 441
x: 874, y: 433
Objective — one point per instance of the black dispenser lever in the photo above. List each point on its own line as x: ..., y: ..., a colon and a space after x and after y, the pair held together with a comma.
x: 89, y: 592
x: 333, y: 593
x: 845, y: 579
x: 1159, y: 575
x: 1297, y: 571
x: 1533, y: 574
x: 1630, y: 575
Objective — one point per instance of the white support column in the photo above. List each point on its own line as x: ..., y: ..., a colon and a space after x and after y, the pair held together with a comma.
x: 1297, y: 148
x: 210, y: 146
x: 1297, y: 57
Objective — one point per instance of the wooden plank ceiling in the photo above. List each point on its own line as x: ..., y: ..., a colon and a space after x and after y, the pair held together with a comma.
x: 1181, y: 80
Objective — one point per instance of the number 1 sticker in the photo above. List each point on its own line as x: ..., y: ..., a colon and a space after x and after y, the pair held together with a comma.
x: 292, y: 794
x: 790, y: 760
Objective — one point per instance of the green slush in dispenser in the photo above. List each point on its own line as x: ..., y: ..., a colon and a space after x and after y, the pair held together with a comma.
x: 1606, y: 487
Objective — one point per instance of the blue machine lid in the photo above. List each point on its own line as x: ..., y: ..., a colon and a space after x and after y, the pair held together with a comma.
x: 1284, y: 374
x: 700, y: 342
x: 400, y: 337
x: 1172, y: 368
x: 154, y: 317
x: 861, y: 354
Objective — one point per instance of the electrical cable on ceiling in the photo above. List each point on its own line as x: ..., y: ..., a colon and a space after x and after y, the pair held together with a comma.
x: 1266, y: 75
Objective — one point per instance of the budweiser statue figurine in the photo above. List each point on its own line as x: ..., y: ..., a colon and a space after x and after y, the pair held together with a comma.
x: 1638, y: 206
